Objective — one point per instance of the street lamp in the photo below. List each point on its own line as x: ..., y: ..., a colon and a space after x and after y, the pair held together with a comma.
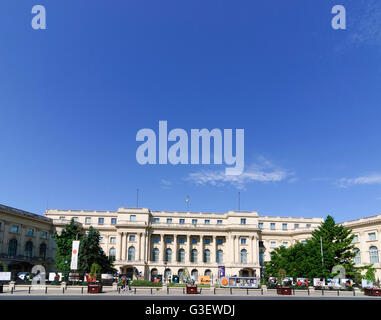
x: 66, y: 277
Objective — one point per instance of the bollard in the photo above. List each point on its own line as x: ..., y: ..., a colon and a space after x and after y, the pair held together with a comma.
x: 231, y: 291
x: 183, y: 290
x: 262, y: 291
x: 135, y: 290
x: 46, y: 290
x: 338, y: 292
x: 354, y: 292
x: 322, y: 292
x: 214, y: 291
x: 119, y: 290
x: 247, y: 291
x: 82, y: 290
x: 200, y: 290
x: 293, y: 291
x: 63, y: 290
x: 151, y: 290
x: 29, y: 290
x: 167, y: 290
x: 308, y: 291
x: 12, y: 290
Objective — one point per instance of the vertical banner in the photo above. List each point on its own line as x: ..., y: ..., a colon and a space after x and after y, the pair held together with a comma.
x: 221, y: 271
x: 74, y: 255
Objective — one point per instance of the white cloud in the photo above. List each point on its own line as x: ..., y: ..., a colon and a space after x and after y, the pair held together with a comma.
x: 165, y: 184
x: 263, y: 171
x: 371, y: 179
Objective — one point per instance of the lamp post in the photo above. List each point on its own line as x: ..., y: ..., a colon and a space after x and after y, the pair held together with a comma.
x: 66, y: 276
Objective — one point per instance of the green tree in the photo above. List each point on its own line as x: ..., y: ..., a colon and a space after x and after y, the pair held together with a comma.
x: 64, y: 242
x: 305, y: 260
x: 90, y: 252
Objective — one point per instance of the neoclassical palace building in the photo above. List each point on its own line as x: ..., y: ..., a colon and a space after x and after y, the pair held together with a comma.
x: 144, y: 242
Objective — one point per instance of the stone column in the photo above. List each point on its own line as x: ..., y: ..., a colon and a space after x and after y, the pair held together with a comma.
x: 188, y: 254
x: 213, y: 253
x: 174, y: 253
x: 252, y: 250
x: 139, y: 246
x: 123, y: 246
x: 232, y: 249
x: 161, y: 253
x: 236, y: 244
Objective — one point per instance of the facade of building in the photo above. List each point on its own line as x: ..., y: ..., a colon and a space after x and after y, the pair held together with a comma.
x: 26, y: 239
x: 144, y: 242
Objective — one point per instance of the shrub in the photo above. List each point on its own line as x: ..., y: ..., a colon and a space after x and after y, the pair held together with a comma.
x: 145, y: 283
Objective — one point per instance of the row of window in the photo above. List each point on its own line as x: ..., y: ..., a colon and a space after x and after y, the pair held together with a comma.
x: 181, y: 240
x: 28, y: 250
x: 371, y: 237
x: 181, y: 255
x: 88, y: 220
x: 373, y: 255
x: 29, y: 232
x: 284, y: 226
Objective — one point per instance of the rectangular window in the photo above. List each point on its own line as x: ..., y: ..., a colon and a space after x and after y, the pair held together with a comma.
x: 75, y: 219
x: 168, y: 240
x: 296, y: 225
x: 207, y: 241
x: 272, y: 244
x: 88, y: 220
x: 272, y: 226
x: 372, y: 236
x: 308, y: 225
x: 155, y: 220
x: 182, y: 221
x: 194, y: 240
x: 132, y: 217
x: 284, y: 226
x: 219, y: 221
x: 156, y: 239
x: 132, y: 238
x: 304, y: 241
x: 169, y: 220
x: 44, y: 235
x: 62, y: 218
x: 194, y: 221
x: 243, y: 221
x: 112, y: 240
x: 260, y: 225
x: 113, y: 220
x: 181, y: 240
x: 220, y: 241
x: 285, y: 244
x: 243, y: 240
x: 207, y: 221
x: 101, y: 239
x: 355, y: 238
x: 30, y: 232
x: 101, y: 220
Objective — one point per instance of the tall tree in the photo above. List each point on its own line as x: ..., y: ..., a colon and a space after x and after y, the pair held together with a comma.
x: 64, y: 245
x: 90, y: 252
x: 307, y: 260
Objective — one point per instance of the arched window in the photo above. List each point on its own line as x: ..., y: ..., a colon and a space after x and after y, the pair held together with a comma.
x: 112, y: 253
x: 208, y: 273
x: 181, y: 256
x: 154, y: 272
x: 243, y: 256
x: 29, y: 249
x: 194, y: 255
x: 357, y: 258
x: 220, y: 256
x: 167, y: 274
x: 206, y: 255
x: 155, y: 254
x: 131, y: 253
x: 12, y: 248
x: 373, y: 254
x: 180, y: 273
x: 168, y: 255
x: 194, y: 274
x: 43, y: 251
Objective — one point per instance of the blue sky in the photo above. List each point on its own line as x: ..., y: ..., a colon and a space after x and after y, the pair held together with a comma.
x: 73, y: 97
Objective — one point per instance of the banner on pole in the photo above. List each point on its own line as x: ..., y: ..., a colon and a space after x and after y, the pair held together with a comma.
x: 74, y: 255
